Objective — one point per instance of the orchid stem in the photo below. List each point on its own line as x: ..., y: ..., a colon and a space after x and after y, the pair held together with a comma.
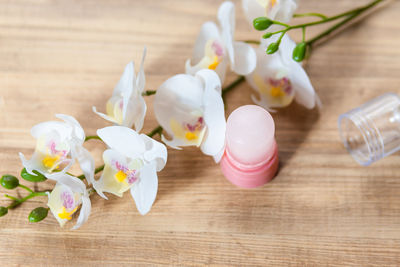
x: 11, y: 197
x: 313, y: 14
x: 351, y: 13
x: 99, y: 169
x: 157, y: 130
x: 19, y: 201
x: 252, y: 42
x: 92, y: 137
x: 149, y: 92
x: 26, y: 188
x: 235, y: 83
x: 331, y: 29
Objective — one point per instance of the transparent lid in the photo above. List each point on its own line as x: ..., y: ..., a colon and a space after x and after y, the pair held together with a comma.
x: 372, y: 131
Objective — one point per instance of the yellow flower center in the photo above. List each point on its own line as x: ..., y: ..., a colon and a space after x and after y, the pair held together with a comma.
x: 213, y: 55
x: 273, y: 3
x: 276, y: 91
x: 120, y: 176
x: 65, y: 214
x: 190, y: 136
x: 49, y: 161
x: 215, y: 63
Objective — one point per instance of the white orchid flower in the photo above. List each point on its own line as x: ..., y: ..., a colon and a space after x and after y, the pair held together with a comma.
x: 191, y: 110
x: 127, y: 107
x: 279, y: 79
x: 131, y: 162
x: 215, y: 47
x: 64, y: 200
x: 279, y: 10
x: 58, y: 145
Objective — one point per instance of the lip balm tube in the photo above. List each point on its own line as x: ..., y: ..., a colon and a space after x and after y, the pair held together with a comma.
x: 251, y: 153
x: 372, y: 131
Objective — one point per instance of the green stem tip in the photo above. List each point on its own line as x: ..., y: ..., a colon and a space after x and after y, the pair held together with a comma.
x: 92, y: 137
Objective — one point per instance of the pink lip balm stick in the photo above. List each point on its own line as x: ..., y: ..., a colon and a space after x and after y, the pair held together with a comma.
x: 251, y: 154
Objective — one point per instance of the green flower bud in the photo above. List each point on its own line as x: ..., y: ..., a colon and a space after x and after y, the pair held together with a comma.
x: 3, y: 211
x: 299, y: 52
x: 32, y: 178
x: 9, y: 181
x: 262, y: 23
x: 267, y: 35
x: 38, y: 214
x: 272, y: 48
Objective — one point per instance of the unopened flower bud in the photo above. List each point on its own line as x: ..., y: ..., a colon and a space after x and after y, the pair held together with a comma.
x: 272, y: 48
x: 262, y: 23
x: 9, y: 181
x: 38, y: 214
x: 299, y: 51
x: 3, y: 211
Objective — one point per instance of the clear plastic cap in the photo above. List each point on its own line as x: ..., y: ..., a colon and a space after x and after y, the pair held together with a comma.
x: 372, y: 131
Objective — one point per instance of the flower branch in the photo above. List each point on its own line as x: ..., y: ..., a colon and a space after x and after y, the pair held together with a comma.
x: 188, y: 107
x: 19, y: 201
x: 263, y: 23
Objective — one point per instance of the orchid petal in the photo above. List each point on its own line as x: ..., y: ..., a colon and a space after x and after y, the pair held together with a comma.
x: 174, y: 143
x: 214, y: 117
x: 122, y: 139
x: 128, y: 78
x: 210, y: 80
x: 74, y: 124
x: 304, y: 91
x: 135, y: 113
x: 72, y: 182
x: 286, y: 50
x: 226, y: 18
x: 281, y: 10
x: 155, y: 151
x: 285, y: 10
x: 84, y: 213
x: 32, y: 164
x: 252, y: 9
x: 86, y: 162
x: 220, y: 70
x: 104, y: 116
x: 263, y: 103
x: 44, y: 127
x: 141, y: 79
x: 124, y: 86
x: 177, y: 98
x: 144, y: 192
x: 208, y: 31
x: 245, y: 58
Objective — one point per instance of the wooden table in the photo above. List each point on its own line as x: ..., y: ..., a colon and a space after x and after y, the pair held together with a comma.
x: 322, y: 208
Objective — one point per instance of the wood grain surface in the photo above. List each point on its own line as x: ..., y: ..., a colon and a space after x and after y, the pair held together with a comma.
x: 60, y: 56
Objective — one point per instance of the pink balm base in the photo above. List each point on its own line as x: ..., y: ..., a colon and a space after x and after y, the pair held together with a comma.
x: 251, y: 155
x: 249, y: 176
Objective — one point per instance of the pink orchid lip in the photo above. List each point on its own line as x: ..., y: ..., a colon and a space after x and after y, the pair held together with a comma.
x: 251, y: 154
x: 68, y: 200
